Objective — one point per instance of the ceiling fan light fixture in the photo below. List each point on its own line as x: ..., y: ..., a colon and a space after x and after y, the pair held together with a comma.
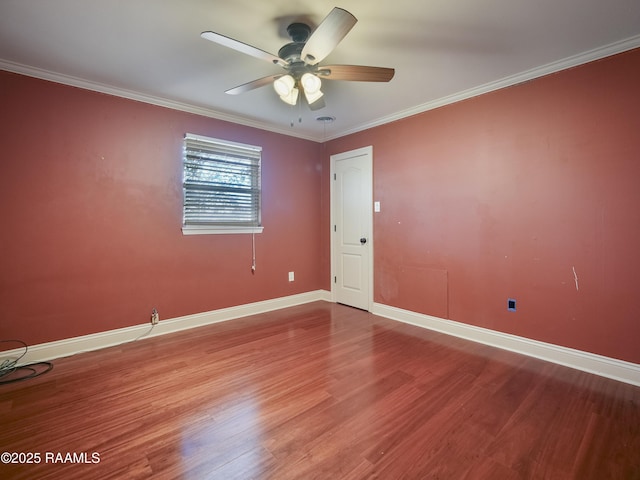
x: 284, y: 85
x: 291, y: 98
x: 313, y: 96
x: 310, y: 83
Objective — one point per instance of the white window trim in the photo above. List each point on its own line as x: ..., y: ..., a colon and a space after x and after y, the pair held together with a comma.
x: 207, y: 230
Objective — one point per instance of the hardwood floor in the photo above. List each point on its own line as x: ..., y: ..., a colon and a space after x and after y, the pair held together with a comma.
x: 319, y: 391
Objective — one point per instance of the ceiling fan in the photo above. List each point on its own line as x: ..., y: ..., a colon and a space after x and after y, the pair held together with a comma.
x: 300, y: 59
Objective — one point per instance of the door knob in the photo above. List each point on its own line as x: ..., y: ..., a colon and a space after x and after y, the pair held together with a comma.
x: 363, y: 240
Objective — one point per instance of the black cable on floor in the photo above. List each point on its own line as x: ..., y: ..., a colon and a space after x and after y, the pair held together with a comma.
x: 11, y: 372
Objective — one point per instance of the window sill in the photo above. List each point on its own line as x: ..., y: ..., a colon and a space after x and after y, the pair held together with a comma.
x: 197, y: 230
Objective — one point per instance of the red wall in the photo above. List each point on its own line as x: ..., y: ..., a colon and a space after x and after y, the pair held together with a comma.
x: 504, y: 196
x: 500, y: 196
x: 90, y: 202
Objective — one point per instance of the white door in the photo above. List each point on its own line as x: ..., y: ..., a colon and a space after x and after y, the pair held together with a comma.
x: 352, y: 246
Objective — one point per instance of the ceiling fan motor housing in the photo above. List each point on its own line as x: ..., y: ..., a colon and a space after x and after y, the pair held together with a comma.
x: 299, y: 33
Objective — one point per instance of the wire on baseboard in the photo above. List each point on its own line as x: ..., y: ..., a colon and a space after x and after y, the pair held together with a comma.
x: 11, y: 372
x: 144, y: 334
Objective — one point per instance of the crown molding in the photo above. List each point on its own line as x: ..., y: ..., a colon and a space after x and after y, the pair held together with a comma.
x: 138, y: 96
x: 553, y: 67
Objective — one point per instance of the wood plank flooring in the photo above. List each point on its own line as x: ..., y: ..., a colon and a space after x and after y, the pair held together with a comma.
x: 318, y: 391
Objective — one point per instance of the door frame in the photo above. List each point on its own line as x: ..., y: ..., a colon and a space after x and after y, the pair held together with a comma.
x: 368, y: 152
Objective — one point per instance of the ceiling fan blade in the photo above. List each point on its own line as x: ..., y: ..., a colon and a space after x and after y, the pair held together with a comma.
x: 356, y: 73
x: 245, y: 87
x: 242, y: 47
x: 326, y: 37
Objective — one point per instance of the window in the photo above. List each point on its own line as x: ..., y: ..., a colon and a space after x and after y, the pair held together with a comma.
x: 221, y: 184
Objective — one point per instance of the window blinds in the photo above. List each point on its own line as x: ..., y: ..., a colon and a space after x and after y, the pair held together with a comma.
x: 221, y: 183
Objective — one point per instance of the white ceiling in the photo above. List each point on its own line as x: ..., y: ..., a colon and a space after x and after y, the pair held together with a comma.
x: 442, y: 50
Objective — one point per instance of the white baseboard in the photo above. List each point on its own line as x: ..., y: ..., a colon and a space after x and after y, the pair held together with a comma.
x: 588, y: 362
x: 71, y: 346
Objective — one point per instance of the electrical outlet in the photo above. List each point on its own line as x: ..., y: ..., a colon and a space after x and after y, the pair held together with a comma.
x: 511, y: 304
x: 155, y: 317
x: 291, y: 276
